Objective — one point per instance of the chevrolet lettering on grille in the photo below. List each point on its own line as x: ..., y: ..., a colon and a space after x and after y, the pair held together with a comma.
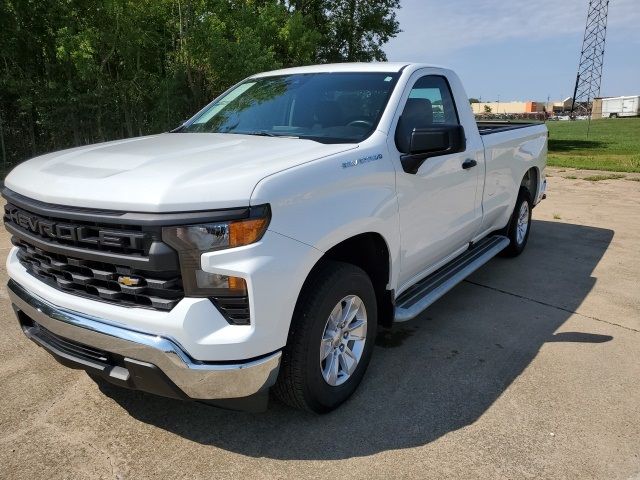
x: 53, y: 230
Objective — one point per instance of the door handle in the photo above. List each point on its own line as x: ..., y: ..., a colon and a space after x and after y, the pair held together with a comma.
x: 469, y: 163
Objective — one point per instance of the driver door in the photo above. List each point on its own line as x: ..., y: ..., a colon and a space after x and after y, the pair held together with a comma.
x: 437, y: 204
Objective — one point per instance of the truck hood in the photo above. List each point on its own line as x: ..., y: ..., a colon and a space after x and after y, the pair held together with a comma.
x: 170, y: 172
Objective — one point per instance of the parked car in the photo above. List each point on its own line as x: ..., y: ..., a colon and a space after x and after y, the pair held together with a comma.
x: 262, y: 243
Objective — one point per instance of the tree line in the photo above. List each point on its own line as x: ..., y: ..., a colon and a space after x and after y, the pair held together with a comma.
x: 75, y: 72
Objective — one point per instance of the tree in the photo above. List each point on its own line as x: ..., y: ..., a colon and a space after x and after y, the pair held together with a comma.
x: 83, y: 71
x: 359, y: 28
x: 487, y: 109
x: 350, y: 30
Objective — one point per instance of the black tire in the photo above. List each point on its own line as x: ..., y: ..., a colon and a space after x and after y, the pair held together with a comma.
x: 300, y: 382
x: 516, y: 247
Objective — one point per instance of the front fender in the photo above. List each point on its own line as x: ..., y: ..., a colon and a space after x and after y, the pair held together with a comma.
x: 327, y: 201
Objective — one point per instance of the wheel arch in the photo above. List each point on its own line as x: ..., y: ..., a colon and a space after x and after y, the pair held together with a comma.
x: 370, y: 252
x: 530, y: 181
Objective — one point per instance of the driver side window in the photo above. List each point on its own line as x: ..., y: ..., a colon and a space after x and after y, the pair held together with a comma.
x: 430, y: 103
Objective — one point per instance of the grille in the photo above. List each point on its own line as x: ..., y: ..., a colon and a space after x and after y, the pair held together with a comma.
x: 110, y: 256
x: 70, y: 347
x: 99, y: 281
x: 234, y: 309
x: 97, y: 236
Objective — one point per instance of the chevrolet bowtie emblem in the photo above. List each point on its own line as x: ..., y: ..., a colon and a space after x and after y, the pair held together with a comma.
x: 129, y: 281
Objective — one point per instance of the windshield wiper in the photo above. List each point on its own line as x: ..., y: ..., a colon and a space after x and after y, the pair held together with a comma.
x: 266, y: 133
x: 328, y: 140
x: 262, y: 133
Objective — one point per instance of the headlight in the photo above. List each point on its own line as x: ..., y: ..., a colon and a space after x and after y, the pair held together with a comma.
x: 191, y: 241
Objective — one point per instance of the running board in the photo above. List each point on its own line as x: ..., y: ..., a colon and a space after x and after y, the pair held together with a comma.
x: 425, y: 292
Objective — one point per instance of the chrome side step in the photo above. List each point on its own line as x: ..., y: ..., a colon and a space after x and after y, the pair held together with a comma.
x: 425, y: 292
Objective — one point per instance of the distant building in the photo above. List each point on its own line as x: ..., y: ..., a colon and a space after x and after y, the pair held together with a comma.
x: 559, y: 107
x: 508, y: 108
x: 596, y: 108
x: 516, y: 108
x: 601, y: 107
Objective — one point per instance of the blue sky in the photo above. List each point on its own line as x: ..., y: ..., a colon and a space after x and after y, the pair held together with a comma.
x: 518, y: 49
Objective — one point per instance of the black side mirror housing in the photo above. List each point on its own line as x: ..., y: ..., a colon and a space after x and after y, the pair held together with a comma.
x: 432, y: 141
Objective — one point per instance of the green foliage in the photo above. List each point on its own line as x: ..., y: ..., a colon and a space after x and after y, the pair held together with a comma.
x: 74, y: 72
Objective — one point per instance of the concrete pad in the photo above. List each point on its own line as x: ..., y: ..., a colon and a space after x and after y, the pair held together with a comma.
x: 527, y: 370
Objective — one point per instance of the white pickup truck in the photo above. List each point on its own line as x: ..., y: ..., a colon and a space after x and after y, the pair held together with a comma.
x: 263, y: 242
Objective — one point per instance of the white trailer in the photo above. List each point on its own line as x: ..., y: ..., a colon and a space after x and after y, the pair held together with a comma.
x: 615, y: 107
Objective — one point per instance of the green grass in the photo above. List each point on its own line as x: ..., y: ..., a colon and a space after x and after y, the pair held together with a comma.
x: 612, y: 144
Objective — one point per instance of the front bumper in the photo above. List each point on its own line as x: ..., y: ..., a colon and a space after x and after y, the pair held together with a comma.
x: 274, y: 268
x: 135, y: 359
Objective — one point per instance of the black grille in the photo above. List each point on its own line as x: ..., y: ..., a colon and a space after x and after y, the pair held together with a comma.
x: 111, y: 256
x: 102, y: 281
x: 69, y: 346
x: 123, y: 239
x: 234, y: 309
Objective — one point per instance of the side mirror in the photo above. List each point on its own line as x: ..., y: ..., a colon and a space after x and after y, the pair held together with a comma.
x: 432, y: 141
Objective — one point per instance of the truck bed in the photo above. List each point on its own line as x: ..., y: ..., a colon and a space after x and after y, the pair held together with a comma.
x: 488, y: 127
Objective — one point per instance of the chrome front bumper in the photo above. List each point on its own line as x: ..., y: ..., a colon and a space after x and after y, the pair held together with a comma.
x: 135, y: 355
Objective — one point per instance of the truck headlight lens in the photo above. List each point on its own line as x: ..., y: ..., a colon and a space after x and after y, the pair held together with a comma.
x: 191, y: 241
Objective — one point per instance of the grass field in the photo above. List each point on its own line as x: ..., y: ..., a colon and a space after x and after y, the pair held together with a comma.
x: 612, y: 144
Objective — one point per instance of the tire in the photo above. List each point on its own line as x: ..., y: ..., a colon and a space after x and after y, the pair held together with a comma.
x: 301, y: 382
x: 518, y: 239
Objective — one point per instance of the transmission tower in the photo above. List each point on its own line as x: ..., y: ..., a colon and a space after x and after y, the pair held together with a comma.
x: 591, y: 58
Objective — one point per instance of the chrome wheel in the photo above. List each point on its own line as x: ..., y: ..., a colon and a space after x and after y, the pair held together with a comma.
x: 343, y: 339
x: 523, y: 223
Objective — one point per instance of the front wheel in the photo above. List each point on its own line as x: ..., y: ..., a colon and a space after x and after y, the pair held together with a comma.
x: 331, y: 339
x: 520, y: 224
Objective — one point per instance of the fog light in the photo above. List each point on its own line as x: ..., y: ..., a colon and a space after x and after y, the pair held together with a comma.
x: 220, y: 285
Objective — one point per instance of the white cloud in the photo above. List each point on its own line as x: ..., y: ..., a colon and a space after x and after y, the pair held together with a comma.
x: 438, y: 27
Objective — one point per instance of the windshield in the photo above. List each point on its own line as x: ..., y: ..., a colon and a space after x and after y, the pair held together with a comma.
x: 325, y: 107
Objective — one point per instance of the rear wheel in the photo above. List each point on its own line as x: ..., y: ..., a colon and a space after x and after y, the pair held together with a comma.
x: 331, y: 339
x: 520, y: 224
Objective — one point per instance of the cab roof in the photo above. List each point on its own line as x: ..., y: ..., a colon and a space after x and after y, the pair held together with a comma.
x: 391, y: 67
